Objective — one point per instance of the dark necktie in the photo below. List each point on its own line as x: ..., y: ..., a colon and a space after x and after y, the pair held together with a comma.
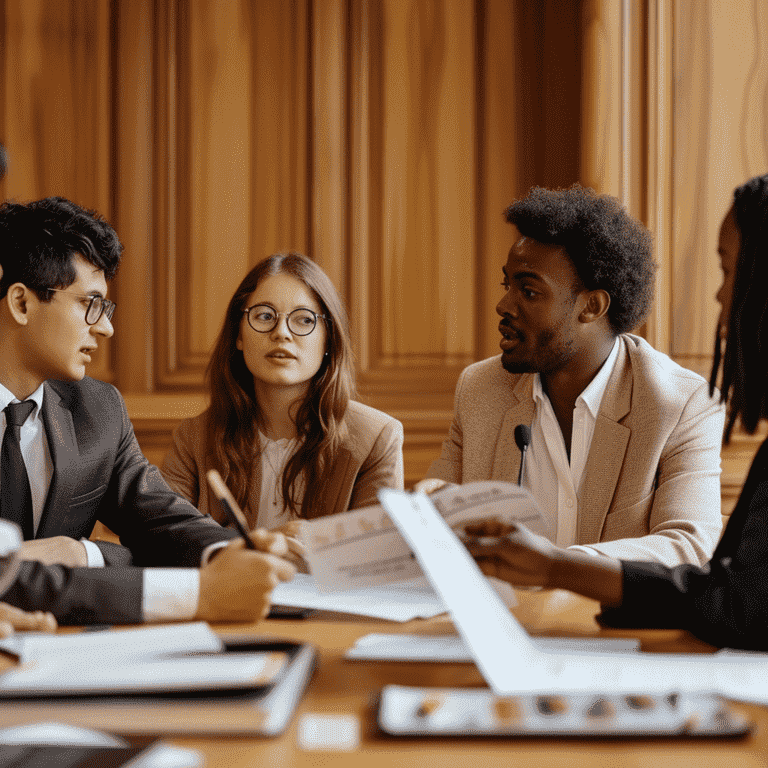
x: 15, y: 496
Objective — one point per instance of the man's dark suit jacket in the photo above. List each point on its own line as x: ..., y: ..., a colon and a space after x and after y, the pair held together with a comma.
x: 724, y: 602
x: 100, y: 473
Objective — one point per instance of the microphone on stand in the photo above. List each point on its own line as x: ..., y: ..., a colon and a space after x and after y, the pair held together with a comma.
x: 523, y: 440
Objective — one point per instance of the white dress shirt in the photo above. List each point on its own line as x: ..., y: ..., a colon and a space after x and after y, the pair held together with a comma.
x: 553, y: 480
x: 169, y: 593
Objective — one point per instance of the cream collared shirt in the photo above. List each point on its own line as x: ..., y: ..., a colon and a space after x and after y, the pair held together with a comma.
x: 549, y: 476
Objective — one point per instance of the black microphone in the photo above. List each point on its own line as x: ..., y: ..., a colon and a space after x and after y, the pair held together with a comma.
x: 523, y: 440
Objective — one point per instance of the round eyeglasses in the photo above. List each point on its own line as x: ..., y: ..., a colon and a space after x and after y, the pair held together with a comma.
x: 97, y: 306
x: 263, y: 319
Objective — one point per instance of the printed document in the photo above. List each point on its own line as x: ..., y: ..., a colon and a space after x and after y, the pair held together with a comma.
x: 363, y: 548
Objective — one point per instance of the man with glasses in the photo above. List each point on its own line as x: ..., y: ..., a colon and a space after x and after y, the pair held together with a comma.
x: 69, y: 456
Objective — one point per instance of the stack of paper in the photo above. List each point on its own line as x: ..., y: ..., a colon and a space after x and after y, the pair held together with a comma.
x: 184, y: 657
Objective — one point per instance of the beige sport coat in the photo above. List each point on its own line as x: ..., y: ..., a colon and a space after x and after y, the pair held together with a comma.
x: 651, y: 489
x: 370, y: 458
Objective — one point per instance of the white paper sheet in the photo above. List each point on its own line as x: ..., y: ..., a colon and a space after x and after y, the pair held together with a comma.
x: 511, y: 663
x: 148, y: 642
x: 401, y: 602
x: 125, y: 675
x: 451, y: 648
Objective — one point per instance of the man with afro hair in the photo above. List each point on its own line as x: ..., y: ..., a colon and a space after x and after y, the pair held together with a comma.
x: 624, y: 458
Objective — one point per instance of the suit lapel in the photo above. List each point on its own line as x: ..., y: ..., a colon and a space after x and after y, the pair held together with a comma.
x: 506, y: 458
x: 62, y: 444
x: 606, y: 453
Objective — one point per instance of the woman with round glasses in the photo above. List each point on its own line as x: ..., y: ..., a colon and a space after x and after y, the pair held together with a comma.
x: 282, y: 427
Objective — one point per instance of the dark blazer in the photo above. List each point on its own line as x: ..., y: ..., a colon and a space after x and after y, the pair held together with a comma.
x: 100, y: 473
x: 724, y: 602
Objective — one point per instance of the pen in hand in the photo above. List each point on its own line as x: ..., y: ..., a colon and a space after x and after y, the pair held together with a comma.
x: 232, y: 511
x: 276, y: 543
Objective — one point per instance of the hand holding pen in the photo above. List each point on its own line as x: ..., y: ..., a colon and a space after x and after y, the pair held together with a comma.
x: 275, y: 542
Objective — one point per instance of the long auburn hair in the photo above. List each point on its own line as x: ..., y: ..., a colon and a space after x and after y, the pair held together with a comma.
x: 234, y: 417
x: 745, y: 363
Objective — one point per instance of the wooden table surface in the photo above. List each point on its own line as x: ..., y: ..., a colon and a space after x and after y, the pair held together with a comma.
x: 351, y: 687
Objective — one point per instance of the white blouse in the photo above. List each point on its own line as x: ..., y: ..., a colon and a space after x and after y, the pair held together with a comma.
x: 274, y: 456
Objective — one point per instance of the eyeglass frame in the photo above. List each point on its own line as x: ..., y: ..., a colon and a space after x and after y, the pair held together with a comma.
x: 107, y: 307
x: 286, y: 315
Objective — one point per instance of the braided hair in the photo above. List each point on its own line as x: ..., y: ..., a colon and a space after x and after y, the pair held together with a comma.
x: 745, y: 362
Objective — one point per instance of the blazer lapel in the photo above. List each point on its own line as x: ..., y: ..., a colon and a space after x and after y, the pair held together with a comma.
x: 606, y: 453
x: 254, y: 496
x: 62, y: 444
x: 506, y: 459
x: 342, y: 474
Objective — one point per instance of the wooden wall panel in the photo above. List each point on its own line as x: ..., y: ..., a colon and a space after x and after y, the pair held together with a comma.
x: 384, y: 138
x: 720, y: 140
x: 419, y: 274
x: 56, y: 107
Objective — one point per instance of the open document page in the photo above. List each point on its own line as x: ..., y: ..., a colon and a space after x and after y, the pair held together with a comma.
x: 363, y: 548
x: 511, y: 663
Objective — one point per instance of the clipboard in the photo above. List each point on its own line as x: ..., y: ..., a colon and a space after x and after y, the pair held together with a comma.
x: 263, y: 710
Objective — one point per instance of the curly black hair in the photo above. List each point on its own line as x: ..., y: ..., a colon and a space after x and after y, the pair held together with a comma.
x: 609, y: 249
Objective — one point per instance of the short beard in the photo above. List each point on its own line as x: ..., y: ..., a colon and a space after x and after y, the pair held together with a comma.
x: 550, y: 362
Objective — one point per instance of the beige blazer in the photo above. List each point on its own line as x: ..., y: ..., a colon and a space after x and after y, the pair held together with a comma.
x: 370, y: 458
x: 651, y: 489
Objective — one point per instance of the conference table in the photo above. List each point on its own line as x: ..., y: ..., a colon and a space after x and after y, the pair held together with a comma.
x: 346, y: 687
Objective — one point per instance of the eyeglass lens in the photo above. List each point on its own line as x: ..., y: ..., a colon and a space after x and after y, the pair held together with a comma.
x: 98, y: 306
x: 301, y: 322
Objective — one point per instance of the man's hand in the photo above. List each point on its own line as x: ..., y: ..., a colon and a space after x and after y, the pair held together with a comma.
x: 429, y: 485
x: 57, y: 550
x: 236, y: 584
x: 509, y: 551
x: 12, y: 618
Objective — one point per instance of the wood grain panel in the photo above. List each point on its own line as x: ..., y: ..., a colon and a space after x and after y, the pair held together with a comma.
x: 135, y: 205
x: 206, y: 112
x: 426, y: 273
x: 56, y: 110
x: 280, y: 180
x: 384, y: 138
x: 720, y: 140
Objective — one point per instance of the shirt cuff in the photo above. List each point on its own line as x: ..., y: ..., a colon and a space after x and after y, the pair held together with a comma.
x: 210, y: 549
x: 93, y: 553
x: 586, y: 550
x: 170, y: 594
